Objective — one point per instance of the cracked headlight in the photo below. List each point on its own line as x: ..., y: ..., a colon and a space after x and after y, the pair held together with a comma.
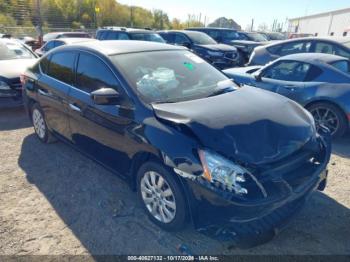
x: 222, y: 172
x: 4, y: 86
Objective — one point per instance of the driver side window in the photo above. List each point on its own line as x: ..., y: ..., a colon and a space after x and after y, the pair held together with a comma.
x: 93, y: 74
x: 287, y: 71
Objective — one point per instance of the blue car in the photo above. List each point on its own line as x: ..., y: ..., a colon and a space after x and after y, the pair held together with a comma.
x: 319, y: 82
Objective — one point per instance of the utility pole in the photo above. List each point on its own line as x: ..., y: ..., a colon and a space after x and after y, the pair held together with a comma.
x: 252, y: 26
x: 131, y: 16
x: 38, y: 26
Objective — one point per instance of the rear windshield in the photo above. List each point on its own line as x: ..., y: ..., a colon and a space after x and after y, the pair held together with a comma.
x: 170, y: 76
x: 11, y: 50
x: 147, y: 37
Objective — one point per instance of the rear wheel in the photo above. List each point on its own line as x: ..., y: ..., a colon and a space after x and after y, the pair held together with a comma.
x: 330, y: 116
x: 40, y: 126
x: 161, y: 196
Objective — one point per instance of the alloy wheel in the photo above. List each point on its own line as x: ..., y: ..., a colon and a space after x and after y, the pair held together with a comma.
x: 39, y: 123
x: 324, y: 116
x: 158, y: 197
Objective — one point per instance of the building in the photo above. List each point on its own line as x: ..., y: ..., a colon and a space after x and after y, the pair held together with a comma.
x: 334, y: 23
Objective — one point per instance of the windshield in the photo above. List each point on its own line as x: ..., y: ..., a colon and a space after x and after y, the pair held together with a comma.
x: 201, y: 38
x: 171, y: 76
x: 342, y: 66
x: 12, y: 50
x: 257, y: 37
x: 147, y: 37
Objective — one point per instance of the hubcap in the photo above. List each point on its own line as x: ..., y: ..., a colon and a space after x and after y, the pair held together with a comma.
x: 158, y: 197
x: 325, y: 117
x: 39, y: 123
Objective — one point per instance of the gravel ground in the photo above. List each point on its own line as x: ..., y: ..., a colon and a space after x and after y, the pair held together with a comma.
x: 53, y: 200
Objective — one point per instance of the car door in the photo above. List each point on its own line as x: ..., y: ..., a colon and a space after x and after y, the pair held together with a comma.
x: 99, y: 129
x: 53, y: 88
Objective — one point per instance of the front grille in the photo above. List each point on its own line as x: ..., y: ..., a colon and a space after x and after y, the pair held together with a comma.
x: 295, y: 170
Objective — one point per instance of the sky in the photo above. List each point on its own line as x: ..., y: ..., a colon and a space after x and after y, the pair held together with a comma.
x: 242, y: 11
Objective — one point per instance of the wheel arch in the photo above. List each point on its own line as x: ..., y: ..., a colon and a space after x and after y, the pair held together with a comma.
x: 327, y: 101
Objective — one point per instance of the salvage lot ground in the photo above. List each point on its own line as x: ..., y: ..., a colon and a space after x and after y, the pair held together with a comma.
x: 53, y: 200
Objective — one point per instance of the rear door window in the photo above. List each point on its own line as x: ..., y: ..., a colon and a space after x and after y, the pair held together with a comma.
x: 61, y: 67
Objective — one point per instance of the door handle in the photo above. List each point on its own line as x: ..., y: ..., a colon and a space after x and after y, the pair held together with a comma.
x: 74, y: 107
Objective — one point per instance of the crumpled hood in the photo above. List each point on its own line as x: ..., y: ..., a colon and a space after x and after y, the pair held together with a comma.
x: 249, y: 125
x: 219, y: 47
x: 15, y: 67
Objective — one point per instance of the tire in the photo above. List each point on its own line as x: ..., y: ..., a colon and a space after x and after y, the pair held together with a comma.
x: 320, y: 108
x: 176, y: 213
x: 40, y: 126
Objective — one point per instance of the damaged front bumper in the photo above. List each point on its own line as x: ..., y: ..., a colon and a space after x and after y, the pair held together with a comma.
x: 249, y: 222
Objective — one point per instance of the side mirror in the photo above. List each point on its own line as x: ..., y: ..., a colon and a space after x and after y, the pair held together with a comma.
x: 258, y: 77
x: 105, y: 96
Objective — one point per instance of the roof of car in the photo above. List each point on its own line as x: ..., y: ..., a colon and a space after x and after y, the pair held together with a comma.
x: 126, y: 29
x: 187, y: 32
x: 313, y: 57
x: 72, y: 40
x: 329, y: 39
x: 215, y: 28
x: 114, y: 47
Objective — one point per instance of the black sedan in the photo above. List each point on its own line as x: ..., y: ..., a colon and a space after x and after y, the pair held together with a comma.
x: 15, y: 57
x: 264, y: 54
x: 319, y: 82
x: 220, y: 55
x: 194, y: 146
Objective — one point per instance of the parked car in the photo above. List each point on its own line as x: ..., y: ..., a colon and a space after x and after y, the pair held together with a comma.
x: 245, y: 42
x: 56, y: 35
x: 14, y: 60
x: 59, y: 42
x: 274, y: 36
x: 194, y: 146
x: 319, y: 82
x: 264, y: 54
x: 122, y: 33
x: 220, y: 55
x: 296, y: 35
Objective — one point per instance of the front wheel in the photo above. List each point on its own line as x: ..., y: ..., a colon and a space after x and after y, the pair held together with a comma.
x: 330, y: 116
x: 161, y: 196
